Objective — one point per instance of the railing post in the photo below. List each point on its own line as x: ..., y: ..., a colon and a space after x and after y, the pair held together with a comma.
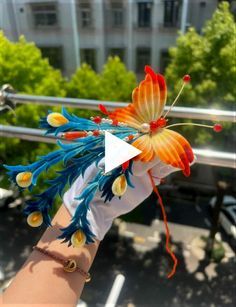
x: 222, y: 188
x: 5, y: 103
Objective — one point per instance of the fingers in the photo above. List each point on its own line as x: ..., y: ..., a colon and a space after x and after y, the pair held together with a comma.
x: 140, y: 168
x: 162, y: 170
x: 77, y: 188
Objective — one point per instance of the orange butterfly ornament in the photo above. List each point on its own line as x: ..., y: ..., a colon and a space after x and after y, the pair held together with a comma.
x: 145, y: 114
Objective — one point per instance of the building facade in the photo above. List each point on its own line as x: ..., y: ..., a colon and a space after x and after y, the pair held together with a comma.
x: 73, y: 31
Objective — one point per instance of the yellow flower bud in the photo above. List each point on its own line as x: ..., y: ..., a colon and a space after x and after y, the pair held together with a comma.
x: 119, y: 186
x: 24, y: 179
x: 78, y: 238
x: 35, y: 219
x: 56, y: 119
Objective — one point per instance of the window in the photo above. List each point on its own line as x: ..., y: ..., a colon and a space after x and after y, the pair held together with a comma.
x: 120, y: 52
x: 171, y: 12
x: 45, y: 15
x: 117, y: 15
x: 165, y: 60
x: 54, y: 56
x: 85, y: 15
x: 89, y: 56
x: 143, y: 57
x: 144, y: 14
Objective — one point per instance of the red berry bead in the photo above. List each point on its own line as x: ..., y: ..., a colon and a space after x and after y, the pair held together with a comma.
x: 115, y: 122
x: 186, y: 78
x: 96, y: 133
x: 161, y: 122
x: 217, y: 128
x: 153, y: 125
x: 97, y: 120
x: 130, y: 137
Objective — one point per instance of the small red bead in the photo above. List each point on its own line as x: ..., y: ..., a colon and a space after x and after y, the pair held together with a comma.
x: 125, y: 165
x: 96, y: 133
x: 115, y: 122
x: 97, y: 120
x: 217, y: 128
x: 186, y: 78
x: 130, y: 137
x: 161, y: 122
x: 153, y: 125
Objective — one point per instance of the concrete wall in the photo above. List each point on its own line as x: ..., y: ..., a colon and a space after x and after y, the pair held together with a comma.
x: 17, y: 18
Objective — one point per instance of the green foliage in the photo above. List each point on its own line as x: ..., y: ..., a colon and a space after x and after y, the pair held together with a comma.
x: 22, y: 66
x: 84, y: 83
x: 210, y: 60
x: 117, y: 83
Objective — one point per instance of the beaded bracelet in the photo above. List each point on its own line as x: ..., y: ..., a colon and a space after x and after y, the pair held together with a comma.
x: 69, y: 265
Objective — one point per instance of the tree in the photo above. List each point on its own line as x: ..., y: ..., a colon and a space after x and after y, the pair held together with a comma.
x: 114, y: 83
x: 117, y: 83
x: 84, y: 83
x: 22, y: 66
x: 210, y: 60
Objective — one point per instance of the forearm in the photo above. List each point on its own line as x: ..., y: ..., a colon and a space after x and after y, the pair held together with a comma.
x: 42, y: 280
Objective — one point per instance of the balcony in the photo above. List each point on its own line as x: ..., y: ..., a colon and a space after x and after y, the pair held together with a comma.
x: 140, y: 245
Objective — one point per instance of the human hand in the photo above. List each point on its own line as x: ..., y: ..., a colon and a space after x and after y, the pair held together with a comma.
x: 101, y: 215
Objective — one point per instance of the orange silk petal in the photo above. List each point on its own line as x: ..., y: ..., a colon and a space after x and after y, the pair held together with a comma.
x: 148, y: 101
x: 143, y: 143
x: 128, y: 116
x: 173, y: 149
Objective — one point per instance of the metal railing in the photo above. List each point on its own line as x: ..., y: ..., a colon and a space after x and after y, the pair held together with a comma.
x: 204, y: 156
x: 178, y: 112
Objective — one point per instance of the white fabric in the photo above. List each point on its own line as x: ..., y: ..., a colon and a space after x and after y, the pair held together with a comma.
x: 102, y: 214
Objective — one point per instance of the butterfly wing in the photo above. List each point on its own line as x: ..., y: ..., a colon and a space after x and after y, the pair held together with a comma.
x: 172, y: 148
x: 144, y: 144
x: 148, y: 101
x: 169, y: 146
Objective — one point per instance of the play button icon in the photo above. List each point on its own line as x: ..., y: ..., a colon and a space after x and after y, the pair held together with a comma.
x: 117, y: 152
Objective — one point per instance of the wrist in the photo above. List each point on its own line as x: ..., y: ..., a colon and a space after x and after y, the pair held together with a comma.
x: 83, y: 256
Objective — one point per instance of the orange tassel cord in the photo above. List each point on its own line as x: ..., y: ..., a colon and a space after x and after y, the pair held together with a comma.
x: 169, y: 251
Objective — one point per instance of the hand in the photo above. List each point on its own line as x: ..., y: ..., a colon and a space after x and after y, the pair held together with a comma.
x: 101, y: 215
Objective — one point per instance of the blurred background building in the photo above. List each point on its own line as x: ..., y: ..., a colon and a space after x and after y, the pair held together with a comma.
x: 72, y: 31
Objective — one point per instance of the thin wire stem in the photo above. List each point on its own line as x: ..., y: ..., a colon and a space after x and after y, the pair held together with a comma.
x: 177, y: 97
x: 190, y: 124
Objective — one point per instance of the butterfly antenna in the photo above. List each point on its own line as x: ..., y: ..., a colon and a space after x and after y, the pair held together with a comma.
x: 216, y: 127
x: 186, y: 79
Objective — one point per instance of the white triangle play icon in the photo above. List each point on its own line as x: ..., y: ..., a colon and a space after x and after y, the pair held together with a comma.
x: 117, y: 152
